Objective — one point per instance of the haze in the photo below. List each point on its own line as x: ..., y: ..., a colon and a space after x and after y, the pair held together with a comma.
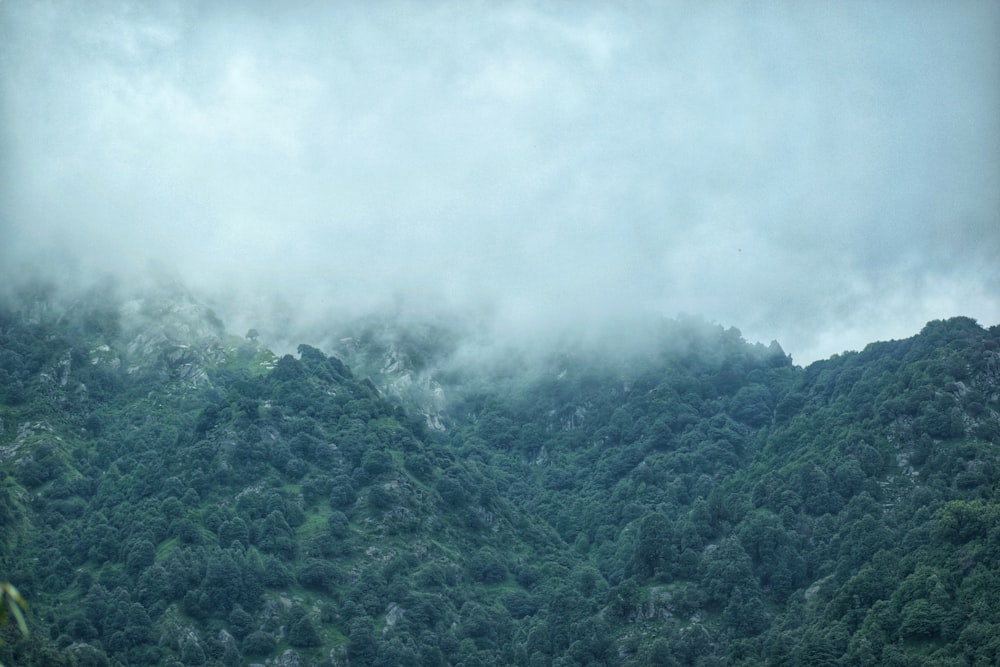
x: 823, y: 174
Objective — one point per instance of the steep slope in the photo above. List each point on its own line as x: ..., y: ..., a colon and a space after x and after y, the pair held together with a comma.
x: 729, y: 497
x: 215, y: 504
x: 172, y: 494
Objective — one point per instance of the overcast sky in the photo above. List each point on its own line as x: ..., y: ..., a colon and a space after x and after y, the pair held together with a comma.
x: 821, y: 173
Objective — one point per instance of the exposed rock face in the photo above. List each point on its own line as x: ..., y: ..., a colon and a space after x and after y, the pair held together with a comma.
x: 33, y: 432
x: 655, y: 608
x: 392, y: 616
x: 816, y: 587
x: 104, y: 355
x: 171, y: 337
x: 397, y: 372
x: 289, y: 658
x: 399, y: 379
x: 225, y: 638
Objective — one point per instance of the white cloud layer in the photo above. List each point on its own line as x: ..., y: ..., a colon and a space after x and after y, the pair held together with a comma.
x: 826, y: 174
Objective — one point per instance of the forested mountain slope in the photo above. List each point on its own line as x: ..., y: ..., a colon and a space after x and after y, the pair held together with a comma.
x: 172, y: 494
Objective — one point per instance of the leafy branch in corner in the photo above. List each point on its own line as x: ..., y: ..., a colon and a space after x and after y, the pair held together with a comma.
x: 11, y: 601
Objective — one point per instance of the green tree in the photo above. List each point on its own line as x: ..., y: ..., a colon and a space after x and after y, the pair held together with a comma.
x: 919, y: 619
x: 141, y: 554
x: 725, y: 569
x: 745, y: 614
x: 258, y: 644
x: 361, y: 645
x: 318, y: 574
x: 303, y: 633
x: 654, y: 551
x: 192, y: 653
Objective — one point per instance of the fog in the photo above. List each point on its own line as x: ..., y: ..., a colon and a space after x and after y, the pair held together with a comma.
x: 823, y: 174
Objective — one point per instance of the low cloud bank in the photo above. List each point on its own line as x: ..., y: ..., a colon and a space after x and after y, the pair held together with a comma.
x: 822, y: 175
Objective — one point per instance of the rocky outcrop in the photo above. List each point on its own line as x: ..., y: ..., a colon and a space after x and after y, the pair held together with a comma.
x: 290, y: 658
x: 171, y: 337
x: 656, y: 607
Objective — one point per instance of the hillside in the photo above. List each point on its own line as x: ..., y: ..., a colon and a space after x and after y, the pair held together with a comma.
x: 173, y: 494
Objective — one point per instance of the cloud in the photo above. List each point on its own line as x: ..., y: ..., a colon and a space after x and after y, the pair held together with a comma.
x: 823, y: 175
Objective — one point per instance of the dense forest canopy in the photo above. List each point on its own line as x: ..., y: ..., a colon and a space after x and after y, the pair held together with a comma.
x: 173, y: 494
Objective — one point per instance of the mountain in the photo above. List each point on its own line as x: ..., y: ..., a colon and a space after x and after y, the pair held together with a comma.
x: 173, y: 494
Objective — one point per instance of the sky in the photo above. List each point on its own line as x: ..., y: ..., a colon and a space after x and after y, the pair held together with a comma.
x: 824, y: 174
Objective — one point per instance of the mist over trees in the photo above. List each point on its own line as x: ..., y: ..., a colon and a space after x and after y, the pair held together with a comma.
x: 175, y: 494
x: 822, y: 174
x: 492, y: 406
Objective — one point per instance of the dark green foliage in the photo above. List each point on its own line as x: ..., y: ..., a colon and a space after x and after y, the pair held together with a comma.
x: 258, y: 644
x: 240, y: 622
x: 655, y: 552
x: 342, y: 495
x: 486, y: 566
x: 707, y: 503
x: 319, y: 574
x: 361, y: 645
x: 303, y: 632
